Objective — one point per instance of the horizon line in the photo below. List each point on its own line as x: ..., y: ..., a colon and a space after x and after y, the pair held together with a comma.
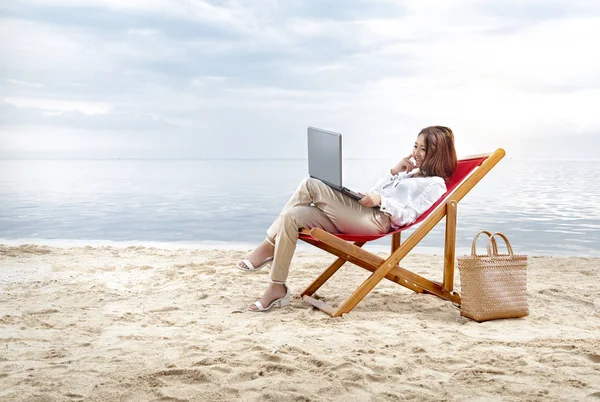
x: 255, y: 159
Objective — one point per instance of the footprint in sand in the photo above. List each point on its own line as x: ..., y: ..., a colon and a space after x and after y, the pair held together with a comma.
x: 39, y: 312
x: 271, y: 368
x: 388, y: 396
x: 136, y: 396
x: 55, y: 354
x: 293, y: 350
x: 352, y: 376
x: 189, y: 376
x: 270, y: 357
x: 165, y: 309
x: 375, y: 378
x: 254, y: 348
x: 210, y: 361
x: 244, y: 376
x: 75, y: 396
x: 317, y: 363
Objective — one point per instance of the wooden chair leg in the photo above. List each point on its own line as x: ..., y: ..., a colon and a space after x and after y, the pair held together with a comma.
x: 450, y: 246
x: 324, y: 277
x: 396, y: 237
x: 379, y: 267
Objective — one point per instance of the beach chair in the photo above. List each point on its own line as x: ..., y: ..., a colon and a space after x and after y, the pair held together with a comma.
x: 347, y: 247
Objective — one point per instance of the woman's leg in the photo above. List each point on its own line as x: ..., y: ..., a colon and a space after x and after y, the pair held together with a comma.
x: 266, y: 249
x: 331, y: 211
x: 263, y: 251
x: 347, y: 215
x: 285, y: 245
x: 301, y: 197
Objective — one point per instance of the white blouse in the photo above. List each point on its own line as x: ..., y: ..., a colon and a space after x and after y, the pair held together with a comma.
x: 405, y: 198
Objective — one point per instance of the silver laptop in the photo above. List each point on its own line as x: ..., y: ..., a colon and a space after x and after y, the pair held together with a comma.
x: 325, y: 159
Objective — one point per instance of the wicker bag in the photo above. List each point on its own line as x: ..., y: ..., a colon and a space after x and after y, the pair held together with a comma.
x: 494, y: 285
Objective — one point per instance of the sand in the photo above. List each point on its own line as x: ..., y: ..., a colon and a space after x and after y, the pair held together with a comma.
x: 136, y: 324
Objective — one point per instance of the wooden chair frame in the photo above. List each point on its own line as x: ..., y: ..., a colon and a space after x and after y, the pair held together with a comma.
x: 389, y: 268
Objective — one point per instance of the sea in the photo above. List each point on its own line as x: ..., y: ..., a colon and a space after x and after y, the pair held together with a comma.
x: 543, y: 206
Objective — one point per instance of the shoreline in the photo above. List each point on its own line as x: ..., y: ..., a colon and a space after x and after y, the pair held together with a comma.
x: 246, y: 246
x: 197, y: 245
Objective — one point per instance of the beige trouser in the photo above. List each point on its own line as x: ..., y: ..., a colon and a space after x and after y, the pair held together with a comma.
x: 314, y: 204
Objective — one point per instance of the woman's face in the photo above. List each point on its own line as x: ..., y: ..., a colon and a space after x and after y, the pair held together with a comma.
x: 419, y: 150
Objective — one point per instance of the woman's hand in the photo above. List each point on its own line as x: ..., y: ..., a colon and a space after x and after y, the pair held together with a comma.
x: 405, y: 165
x: 370, y: 200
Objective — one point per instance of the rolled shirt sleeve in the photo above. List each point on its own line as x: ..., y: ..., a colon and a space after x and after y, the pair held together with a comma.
x: 400, y: 213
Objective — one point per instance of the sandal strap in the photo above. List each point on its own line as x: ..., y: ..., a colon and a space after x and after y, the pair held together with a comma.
x: 248, y: 265
x: 259, y: 305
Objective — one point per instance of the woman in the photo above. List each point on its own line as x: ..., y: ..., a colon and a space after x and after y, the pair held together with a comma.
x: 398, y: 199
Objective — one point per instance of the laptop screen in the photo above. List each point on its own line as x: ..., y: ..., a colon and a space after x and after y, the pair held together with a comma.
x: 325, y: 156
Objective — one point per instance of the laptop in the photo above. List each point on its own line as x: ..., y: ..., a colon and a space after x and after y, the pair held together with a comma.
x: 325, y: 159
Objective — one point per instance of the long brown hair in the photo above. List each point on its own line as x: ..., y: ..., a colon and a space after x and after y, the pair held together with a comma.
x: 440, y: 156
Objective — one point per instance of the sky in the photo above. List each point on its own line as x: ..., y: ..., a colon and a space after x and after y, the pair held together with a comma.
x: 244, y: 79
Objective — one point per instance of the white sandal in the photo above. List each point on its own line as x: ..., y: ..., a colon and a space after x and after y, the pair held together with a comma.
x: 281, y: 302
x: 250, y: 267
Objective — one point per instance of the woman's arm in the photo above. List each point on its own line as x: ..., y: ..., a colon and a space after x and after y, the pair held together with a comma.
x: 405, y: 165
x: 400, y: 169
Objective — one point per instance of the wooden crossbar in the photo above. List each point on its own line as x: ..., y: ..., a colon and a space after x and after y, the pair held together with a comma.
x: 354, y: 254
x: 390, y: 268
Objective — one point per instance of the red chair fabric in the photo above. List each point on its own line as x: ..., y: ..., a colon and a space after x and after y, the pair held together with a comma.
x: 464, y: 167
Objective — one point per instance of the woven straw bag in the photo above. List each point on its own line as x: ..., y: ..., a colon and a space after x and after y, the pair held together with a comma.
x: 494, y: 285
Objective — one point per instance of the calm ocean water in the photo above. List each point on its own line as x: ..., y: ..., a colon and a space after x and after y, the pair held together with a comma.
x: 545, y: 207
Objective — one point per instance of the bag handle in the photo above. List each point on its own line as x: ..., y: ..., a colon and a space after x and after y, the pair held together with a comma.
x: 491, y: 239
x: 495, y: 245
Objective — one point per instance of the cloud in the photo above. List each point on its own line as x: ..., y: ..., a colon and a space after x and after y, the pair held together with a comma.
x: 232, y: 17
x: 24, y: 83
x: 232, y: 79
x: 143, y: 32
x: 59, y: 106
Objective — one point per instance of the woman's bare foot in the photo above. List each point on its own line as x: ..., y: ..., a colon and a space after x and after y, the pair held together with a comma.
x: 274, y: 291
x: 258, y: 255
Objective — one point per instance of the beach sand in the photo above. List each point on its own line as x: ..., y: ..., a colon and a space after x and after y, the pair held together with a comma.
x: 136, y: 324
